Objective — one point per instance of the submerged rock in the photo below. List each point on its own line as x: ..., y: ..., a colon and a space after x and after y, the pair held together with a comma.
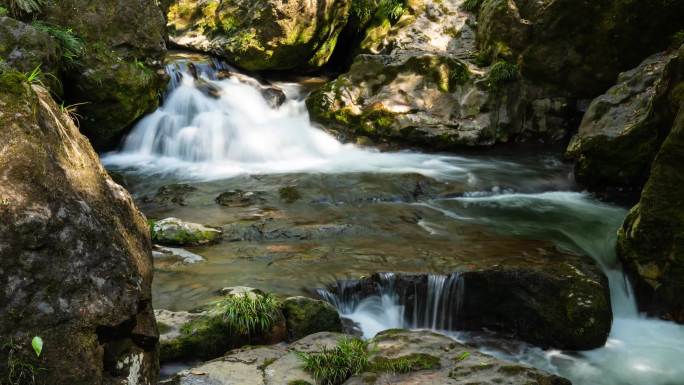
x: 306, y: 316
x: 263, y: 34
x: 175, y: 232
x: 76, y: 253
x: 624, y: 128
x: 239, y: 198
x: 651, y: 242
x: 427, y: 358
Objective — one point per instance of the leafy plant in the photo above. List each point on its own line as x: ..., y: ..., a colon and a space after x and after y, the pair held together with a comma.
x: 334, y: 366
x: 34, y: 76
x: 249, y: 314
x: 391, y: 9
x: 37, y: 345
x: 3, y: 11
x: 72, y: 46
x: 502, y: 72
x: 26, y: 6
x: 471, y: 5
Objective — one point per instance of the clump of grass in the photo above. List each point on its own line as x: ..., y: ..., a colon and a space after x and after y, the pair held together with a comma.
x: 19, y: 370
x: 72, y: 46
x: 362, y: 11
x: 25, y: 6
x: 391, y: 9
x: 249, y: 314
x: 334, y: 366
x: 502, y: 72
x: 472, y: 5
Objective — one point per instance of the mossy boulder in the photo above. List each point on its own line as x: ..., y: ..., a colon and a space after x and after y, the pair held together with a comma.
x: 76, y: 253
x: 623, y: 129
x: 263, y: 34
x: 175, y: 232
x: 306, y: 316
x: 243, y: 316
x: 118, y: 77
x: 26, y: 48
x: 651, y: 241
x: 577, y: 46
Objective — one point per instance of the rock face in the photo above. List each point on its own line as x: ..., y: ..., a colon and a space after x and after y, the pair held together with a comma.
x: 117, y: 74
x: 565, y: 306
x: 308, y: 316
x: 651, y: 242
x: 25, y: 48
x: 450, y: 363
x: 416, y: 83
x: 578, y: 46
x: 175, y: 232
x: 263, y: 34
x: 624, y: 128
x: 76, y: 259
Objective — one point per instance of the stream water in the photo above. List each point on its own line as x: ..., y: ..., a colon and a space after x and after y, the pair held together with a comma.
x: 314, y: 211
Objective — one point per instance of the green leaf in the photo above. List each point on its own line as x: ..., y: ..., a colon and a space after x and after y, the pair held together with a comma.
x: 37, y: 344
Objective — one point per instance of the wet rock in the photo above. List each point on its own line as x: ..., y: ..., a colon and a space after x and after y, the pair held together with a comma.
x: 239, y: 198
x: 266, y: 35
x: 118, y: 78
x: 175, y: 232
x: 275, y: 97
x: 651, y: 241
x: 443, y: 361
x: 624, y: 128
x: 208, y: 89
x: 182, y: 255
x: 171, y: 194
x: 563, y: 304
x: 76, y: 253
x: 306, y: 316
x: 26, y: 48
x: 221, y: 325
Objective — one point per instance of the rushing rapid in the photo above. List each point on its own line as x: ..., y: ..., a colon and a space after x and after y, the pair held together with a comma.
x: 213, y: 128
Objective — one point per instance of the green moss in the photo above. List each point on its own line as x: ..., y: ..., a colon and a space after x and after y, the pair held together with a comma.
x: 500, y: 73
x: 12, y: 81
x: 406, y: 364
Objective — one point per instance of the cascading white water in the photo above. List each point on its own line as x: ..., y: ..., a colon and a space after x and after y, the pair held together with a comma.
x: 236, y: 131
x: 639, y: 351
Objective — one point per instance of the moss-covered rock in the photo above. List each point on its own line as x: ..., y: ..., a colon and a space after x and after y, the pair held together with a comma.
x: 263, y: 34
x: 306, y: 316
x: 243, y: 316
x: 117, y: 79
x: 623, y: 129
x: 26, y: 48
x: 651, y: 242
x: 578, y: 46
x: 175, y: 232
x: 76, y: 253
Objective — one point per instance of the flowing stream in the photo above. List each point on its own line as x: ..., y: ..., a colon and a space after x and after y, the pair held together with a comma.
x: 381, y: 212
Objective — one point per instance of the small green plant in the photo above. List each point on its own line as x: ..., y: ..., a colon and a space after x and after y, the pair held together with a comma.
x: 19, y: 370
x: 502, y: 72
x: 463, y: 356
x: 391, y: 9
x: 37, y: 345
x: 72, y: 111
x: 471, y: 5
x: 678, y: 39
x: 334, y: 366
x: 72, y: 46
x: 25, y: 6
x: 249, y: 314
x: 34, y: 77
x: 3, y: 11
x: 362, y: 11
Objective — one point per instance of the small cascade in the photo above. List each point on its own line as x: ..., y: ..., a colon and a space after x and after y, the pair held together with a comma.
x: 388, y: 300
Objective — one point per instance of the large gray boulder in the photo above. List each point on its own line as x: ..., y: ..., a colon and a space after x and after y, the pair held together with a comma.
x: 76, y: 254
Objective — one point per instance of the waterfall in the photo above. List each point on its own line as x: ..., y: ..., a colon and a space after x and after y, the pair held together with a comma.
x: 217, y: 123
x: 386, y: 303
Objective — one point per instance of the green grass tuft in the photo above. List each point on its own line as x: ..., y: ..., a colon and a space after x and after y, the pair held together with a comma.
x: 334, y: 366
x: 406, y: 364
x: 472, y: 5
x: 502, y: 72
x: 72, y: 46
x: 18, y: 370
x: 249, y: 314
